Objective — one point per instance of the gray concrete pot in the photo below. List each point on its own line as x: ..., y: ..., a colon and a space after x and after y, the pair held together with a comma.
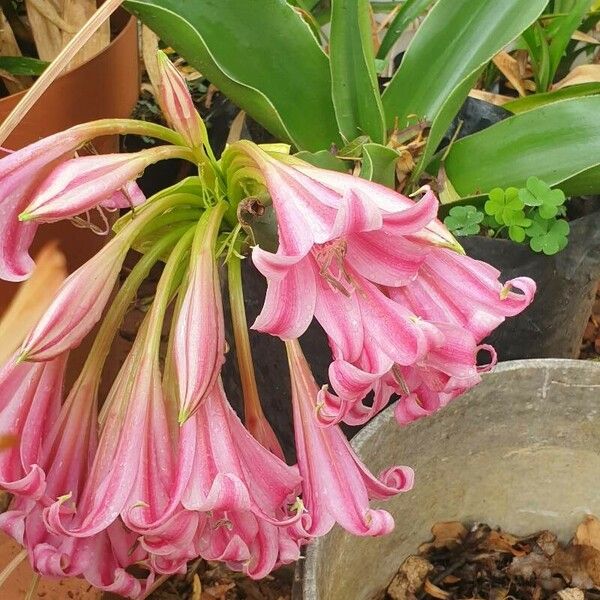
x: 521, y: 451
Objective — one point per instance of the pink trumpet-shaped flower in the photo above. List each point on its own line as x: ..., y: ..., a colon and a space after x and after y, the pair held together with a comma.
x: 336, y: 485
x: 199, y: 347
x: 230, y: 499
x: 20, y: 174
x: 244, y: 487
x: 459, y: 290
x: 132, y: 465
x: 81, y: 184
x: 78, y: 304
x: 177, y: 104
x: 352, y: 254
x: 30, y: 398
x: 66, y: 452
x: 232, y: 471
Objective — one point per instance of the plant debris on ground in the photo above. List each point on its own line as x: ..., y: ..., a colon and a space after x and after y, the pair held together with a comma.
x: 213, y: 581
x: 479, y: 562
x: 590, y: 347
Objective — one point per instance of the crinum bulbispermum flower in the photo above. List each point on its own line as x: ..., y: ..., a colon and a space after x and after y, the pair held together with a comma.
x: 162, y: 470
x: 350, y: 254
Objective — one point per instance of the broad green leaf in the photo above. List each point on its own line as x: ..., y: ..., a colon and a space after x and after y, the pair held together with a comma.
x: 454, y: 42
x: 261, y: 54
x: 354, y: 90
x: 22, y: 65
x: 526, y: 103
x: 583, y: 184
x: 304, y: 4
x: 558, y: 143
x: 409, y: 11
x: 379, y: 164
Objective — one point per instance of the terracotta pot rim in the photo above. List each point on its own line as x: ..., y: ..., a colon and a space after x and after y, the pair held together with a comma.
x: 127, y: 25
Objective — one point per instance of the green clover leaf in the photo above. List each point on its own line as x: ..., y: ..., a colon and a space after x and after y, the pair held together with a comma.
x: 464, y: 220
x: 549, y: 236
x: 504, y: 205
x: 539, y: 194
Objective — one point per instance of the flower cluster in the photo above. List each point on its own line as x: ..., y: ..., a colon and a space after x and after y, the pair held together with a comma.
x: 162, y: 470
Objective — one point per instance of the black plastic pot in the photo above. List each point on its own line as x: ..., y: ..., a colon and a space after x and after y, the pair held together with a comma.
x: 552, y: 326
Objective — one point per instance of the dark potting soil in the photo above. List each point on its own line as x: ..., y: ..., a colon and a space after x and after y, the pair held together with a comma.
x: 476, y: 562
x: 213, y: 581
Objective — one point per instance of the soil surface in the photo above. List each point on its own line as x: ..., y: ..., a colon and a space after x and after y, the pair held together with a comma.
x: 213, y: 581
x: 476, y: 562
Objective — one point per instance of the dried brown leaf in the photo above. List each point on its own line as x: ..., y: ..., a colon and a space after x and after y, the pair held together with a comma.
x: 435, y: 591
x: 580, y: 74
x: 530, y: 566
x: 499, y: 541
x: 581, y: 36
x: 571, y: 594
x: 588, y: 533
x: 446, y: 534
x: 509, y: 67
x: 497, y: 99
x: 409, y: 578
x: 578, y: 565
x: 547, y: 542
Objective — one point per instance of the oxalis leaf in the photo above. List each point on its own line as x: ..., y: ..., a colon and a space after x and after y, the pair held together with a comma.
x: 261, y: 54
x: 464, y: 220
x: 549, y: 236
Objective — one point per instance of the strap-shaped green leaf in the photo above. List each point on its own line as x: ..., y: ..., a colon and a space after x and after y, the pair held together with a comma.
x: 355, y: 90
x: 559, y: 143
x: 409, y: 11
x: 565, y: 26
x: 261, y: 54
x: 454, y: 42
x: 22, y: 65
x: 532, y: 101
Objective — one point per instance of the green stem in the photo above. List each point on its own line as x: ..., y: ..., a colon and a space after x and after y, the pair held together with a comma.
x: 123, y: 300
x: 142, y: 218
x: 254, y: 416
x: 252, y: 408
x: 169, y: 282
x: 103, y: 127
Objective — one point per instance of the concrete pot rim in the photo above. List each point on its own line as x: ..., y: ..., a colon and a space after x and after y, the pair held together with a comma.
x: 307, y: 568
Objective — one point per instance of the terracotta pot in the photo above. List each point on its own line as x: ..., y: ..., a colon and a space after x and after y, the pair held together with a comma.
x: 519, y: 451
x: 105, y: 86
